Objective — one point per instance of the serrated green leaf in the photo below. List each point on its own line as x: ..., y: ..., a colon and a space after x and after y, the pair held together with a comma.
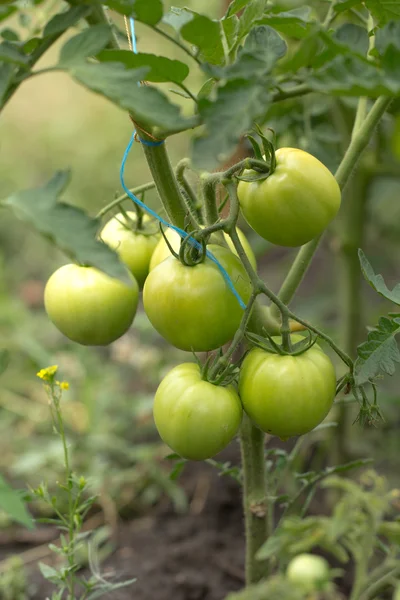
x: 64, y: 20
x: 12, y: 504
x: 377, y: 281
x: 149, y: 105
x: 87, y: 43
x: 236, y: 6
x: 10, y: 54
x: 6, y: 75
x: 205, y: 34
x: 346, y: 5
x: 295, y: 23
x: 383, y: 11
x: 262, y: 49
x: 379, y: 353
x: 253, y: 11
x: 4, y: 360
x: 177, y: 17
x: 237, y: 104
x: 146, y: 11
x: 69, y: 227
x: 161, y: 69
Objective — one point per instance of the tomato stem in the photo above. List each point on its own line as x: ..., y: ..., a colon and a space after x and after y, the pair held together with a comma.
x: 254, y: 498
x: 136, y: 190
x: 188, y: 194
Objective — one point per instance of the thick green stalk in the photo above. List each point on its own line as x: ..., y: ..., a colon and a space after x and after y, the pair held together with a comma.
x: 254, y: 498
x: 167, y: 186
x: 357, y: 145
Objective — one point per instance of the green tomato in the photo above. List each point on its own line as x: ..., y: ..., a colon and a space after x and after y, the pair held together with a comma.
x: 193, y: 307
x: 308, y: 571
x: 162, y: 251
x: 293, y: 205
x: 287, y: 395
x: 88, y: 306
x: 135, y: 248
x: 195, y: 418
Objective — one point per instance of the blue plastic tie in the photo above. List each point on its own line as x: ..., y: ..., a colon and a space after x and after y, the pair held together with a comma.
x: 181, y: 232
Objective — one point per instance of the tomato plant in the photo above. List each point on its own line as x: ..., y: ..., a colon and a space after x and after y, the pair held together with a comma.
x: 193, y: 307
x: 88, y: 306
x: 197, y: 419
x: 134, y: 246
x: 162, y: 251
x: 295, y: 203
x: 284, y: 99
x: 287, y: 395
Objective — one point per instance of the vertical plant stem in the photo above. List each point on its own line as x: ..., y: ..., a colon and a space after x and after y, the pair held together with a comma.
x: 167, y: 186
x: 254, y: 498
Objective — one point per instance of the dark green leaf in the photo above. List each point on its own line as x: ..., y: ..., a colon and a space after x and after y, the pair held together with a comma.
x: 87, y: 43
x: 388, y: 36
x: 379, y: 353
x: 12, y: 504
x: 4, y: 360
x: 65, y: 20
x: 237, y: 104
x: 10, y: 53
x: 177, y: 17
x: 6, y: 75
x: 6, y: 11
x: 71, y: 229
x: 149, y: 105
x: 377, y: 281
x: 10, y: 35
x: 146, y: 11
x: 236, y: 6
x: 205, y: 34
x: 294, y: 23
x: 354, y: 464
x: 161, y: 69
x: 262, y: 49
x: 31, y: 45
x: 346, y: 5
x: 353, y: 37
x: 383, y: 11
x: 253, y: 11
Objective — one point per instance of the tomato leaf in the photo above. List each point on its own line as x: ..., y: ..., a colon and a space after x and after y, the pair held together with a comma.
x: 253, y: 11
x: 386, y: 37
x: 383, y: 11
x: 87, y: 43
x: 9, y: 53
x: 177, y: 17
x: 68, y: 227
x: 377, y: 281
x: 162, y: 69
x: 379, y: 353
x: 66, y: 19
x: 295, y: 23
x: 236, y: 6
x: 146, y: 11
x: 11, y: 503
x: 6, y: 74
x: 205, y: 34
x: 237, y: 104
x: 346, y: 5
x: 149, y: 105
x: 4, y: 360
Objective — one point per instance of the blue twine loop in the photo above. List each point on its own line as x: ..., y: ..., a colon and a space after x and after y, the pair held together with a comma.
x: 181, y: 232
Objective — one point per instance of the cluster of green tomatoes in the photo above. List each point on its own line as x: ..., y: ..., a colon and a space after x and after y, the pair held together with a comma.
x: 193, y: 308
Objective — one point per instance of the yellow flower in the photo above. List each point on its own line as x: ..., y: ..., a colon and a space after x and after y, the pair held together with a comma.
x: 48, y: 373
x: 64, y: 385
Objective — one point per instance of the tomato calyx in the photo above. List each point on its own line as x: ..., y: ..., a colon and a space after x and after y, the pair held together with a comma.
x: 268, y: 344
x: 264, y: 153
x: 216, y: 372
x: 135, y: 225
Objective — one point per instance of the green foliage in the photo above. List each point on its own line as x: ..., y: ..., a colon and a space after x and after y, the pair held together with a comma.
x: 87, y: 43
x: 147, y: 11
x: 13, y: 580
x: 12, y: 504
x: 67, y: 226
x: 380, y: 352
x: 66, y: 19
x: 161, y: 69
x: 276, y: 588
x: 377, y: 282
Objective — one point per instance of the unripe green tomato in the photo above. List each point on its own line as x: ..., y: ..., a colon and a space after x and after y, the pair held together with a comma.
x: 88, y: 306
x: 135, y: 248
x: 287, y: 395
x: 192, y: 307
x: 308, y: 571
x: 295, y: 203
x: 162, y: 251
x: 195, y: 418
